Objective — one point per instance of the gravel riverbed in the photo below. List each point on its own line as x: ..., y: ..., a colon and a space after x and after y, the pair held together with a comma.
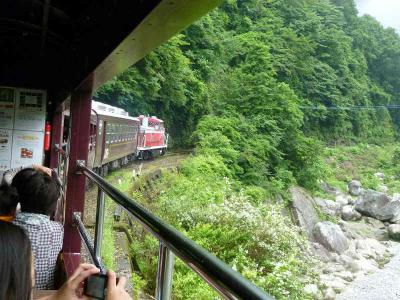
x: 381, y: 285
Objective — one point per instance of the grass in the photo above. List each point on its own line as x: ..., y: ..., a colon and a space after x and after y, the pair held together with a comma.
x: 361, y: 162
x: 122, y: 180
x: 108, y: 243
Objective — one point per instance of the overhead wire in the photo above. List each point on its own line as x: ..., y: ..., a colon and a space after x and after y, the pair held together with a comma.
x: 354, y: 107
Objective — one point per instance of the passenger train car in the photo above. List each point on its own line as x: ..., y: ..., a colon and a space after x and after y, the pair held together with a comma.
x: 117, y: 138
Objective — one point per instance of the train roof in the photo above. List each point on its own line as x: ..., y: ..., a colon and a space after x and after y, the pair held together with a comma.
x: 104, y: 109
x: 151, y: 119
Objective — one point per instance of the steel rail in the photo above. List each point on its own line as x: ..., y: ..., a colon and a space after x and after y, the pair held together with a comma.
x: 229, y: 283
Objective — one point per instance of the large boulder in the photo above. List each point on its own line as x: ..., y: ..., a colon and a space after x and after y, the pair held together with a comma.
x: 350, y: 214
x: 329, y: 189
x: 320, y: 251
x: 331, y: 237
x: 329, y: 294
x: 372, y: 249
x: 354, y: 187
x: 396, y: 219
x: 383, y: 188
x: 394, y: 232
x: 303, y: 210
x: 342, y: 200
x: 313, y: 291
x: 328, y: 207
x: 396, y: 197
x: 365, y: 228
x: 378, y: 205
x: 380, y: 175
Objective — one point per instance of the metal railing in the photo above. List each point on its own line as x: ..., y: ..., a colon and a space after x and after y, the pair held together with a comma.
x: 229, y: 283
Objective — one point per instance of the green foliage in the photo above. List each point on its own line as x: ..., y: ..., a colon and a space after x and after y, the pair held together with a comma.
x: 122, y: 180
x: 254, y: 87
x: 162, y: 84
x: 138, y: 284
x: 249, y: 234
x: 361, y: 162
x: 244, y: 77
x: 308, y: 166
x: 396, y: 156
x: 108, y: 242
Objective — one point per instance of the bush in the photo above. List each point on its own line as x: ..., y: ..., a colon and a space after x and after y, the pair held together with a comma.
x: 396, y: 156
x: 240, y: 226
x: 306, y: 162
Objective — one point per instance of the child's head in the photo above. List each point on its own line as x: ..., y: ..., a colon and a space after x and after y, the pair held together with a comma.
x: 8, y: 200
x: 38, y: 192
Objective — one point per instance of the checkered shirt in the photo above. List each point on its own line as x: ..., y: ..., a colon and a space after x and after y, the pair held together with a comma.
x: 46, y: 240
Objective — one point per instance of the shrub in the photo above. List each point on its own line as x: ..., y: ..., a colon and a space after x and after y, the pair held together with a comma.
x: 241, y: 227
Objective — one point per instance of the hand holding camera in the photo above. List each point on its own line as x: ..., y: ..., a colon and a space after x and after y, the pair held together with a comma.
x: 101, y: 286
x: 94, y: 286
x: 116, y: 287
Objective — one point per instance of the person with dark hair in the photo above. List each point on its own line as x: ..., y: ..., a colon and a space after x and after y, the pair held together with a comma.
x: 16, y: 271
x: 15, y: 263
x: 8, y: 203
x: 9, y: 196
x: 7, y: 176
x: 38, y: 196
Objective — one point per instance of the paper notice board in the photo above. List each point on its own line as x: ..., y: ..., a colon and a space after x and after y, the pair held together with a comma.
x: 7, y: 107
x: 5, y: 149
x: 30, y: 112
x: 22, y: 121
x: 27, y: 148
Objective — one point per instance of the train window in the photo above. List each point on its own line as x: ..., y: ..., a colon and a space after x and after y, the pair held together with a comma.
x: 115, y: 133
x: 113, y: 128
x: 108, y: 133
x: 134, y: 134
x: 110, y: 130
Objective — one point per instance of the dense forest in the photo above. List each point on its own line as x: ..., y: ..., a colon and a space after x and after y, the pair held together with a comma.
x: 258, y: 88
x: 256, y: 81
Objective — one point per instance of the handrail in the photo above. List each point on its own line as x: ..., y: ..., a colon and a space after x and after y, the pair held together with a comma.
x: 229, y: 283
x: 76, y: 217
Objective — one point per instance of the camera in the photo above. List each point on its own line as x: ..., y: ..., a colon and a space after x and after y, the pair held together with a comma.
x: 95, y: 285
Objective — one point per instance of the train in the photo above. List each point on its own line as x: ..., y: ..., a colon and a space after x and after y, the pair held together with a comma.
x: 117, y: 138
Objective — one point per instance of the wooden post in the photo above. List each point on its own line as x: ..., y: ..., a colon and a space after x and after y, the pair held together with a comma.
x: 81, y: 102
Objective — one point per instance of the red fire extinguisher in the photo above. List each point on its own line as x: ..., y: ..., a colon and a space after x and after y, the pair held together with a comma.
x: 47, y: 131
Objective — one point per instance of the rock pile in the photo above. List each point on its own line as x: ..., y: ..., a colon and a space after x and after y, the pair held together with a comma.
x: 358, y: 244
